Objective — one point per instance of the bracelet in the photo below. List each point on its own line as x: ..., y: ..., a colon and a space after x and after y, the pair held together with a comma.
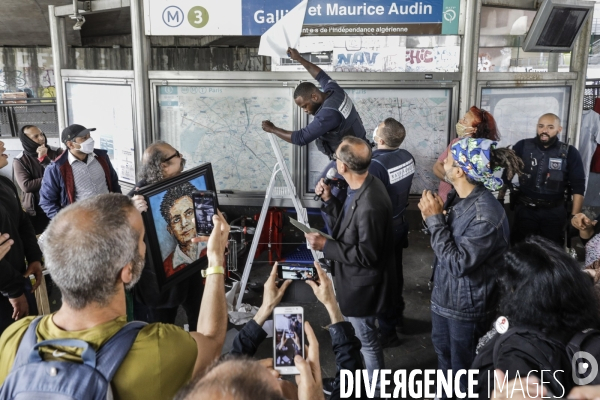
x: 213, y: 270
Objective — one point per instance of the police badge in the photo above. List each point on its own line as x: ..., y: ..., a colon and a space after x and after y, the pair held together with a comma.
x: 555, y: 164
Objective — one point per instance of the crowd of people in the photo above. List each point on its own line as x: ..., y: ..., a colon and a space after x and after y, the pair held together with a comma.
x: 95, y: 251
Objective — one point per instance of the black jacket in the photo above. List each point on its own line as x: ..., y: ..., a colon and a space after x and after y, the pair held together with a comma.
x: 15, y: 222
x: 537, y: 165
x: 469, y: 243
x: 363, y: 250
x: 527, y: 352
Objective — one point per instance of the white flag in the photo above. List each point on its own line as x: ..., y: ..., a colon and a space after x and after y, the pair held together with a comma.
x: 285, y: 33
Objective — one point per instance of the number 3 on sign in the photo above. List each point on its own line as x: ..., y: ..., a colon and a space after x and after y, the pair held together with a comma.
x: 198, y: 17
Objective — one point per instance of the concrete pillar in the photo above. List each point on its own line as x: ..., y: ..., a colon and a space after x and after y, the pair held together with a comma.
x: 57, y: 39
x: 468, y: 57
x: 579, y: 64
x: 553, y: 62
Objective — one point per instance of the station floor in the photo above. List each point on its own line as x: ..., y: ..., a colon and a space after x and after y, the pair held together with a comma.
x: 416, y: 350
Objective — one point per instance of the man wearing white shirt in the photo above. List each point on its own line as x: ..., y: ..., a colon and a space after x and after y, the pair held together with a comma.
x: 79, y: 173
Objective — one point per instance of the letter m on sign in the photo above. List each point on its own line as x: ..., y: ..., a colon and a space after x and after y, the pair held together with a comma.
x: 172, y: 17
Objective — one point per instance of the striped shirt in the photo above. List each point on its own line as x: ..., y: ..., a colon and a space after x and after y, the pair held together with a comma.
x: 89, y: 177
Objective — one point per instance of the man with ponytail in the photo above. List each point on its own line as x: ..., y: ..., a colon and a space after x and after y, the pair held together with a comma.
x: 469, y: 234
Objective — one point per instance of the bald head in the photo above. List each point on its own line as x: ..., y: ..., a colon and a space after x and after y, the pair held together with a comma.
x: 356, y: 154
x: 160, y: 161
x: 234, y: 379
x: 551, y: 116
x: 159, y: 147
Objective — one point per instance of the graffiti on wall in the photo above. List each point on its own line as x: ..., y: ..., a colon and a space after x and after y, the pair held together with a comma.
x: 27, y: 70
x: 439, y: 59
x: 397, y: 59
x: 380, y: 60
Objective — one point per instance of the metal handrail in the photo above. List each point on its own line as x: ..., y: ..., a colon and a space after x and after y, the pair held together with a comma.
x: 16, y: 112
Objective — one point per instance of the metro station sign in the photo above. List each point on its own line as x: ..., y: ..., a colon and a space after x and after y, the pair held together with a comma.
x: 323, y: 17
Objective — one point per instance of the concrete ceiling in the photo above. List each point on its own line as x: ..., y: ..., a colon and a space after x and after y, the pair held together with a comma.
x: 25, y: 23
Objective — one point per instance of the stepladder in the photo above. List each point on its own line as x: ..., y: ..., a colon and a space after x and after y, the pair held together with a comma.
x: 287, y: 191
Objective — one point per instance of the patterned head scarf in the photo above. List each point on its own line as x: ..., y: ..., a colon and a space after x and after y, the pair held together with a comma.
x: 473, y: 157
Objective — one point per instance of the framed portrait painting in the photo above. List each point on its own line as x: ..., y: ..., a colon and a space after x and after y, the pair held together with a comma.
x: 170, y: 225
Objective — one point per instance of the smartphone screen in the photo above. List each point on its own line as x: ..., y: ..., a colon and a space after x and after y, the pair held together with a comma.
x: 205, y: 206
x: 296, y: 271
x: 288, y: 338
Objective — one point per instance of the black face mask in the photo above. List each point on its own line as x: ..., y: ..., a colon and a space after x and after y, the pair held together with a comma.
x: 29, y: 146
x: 546, y: 144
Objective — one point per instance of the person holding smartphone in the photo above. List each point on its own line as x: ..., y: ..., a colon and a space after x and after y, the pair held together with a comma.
x: 234, y: 369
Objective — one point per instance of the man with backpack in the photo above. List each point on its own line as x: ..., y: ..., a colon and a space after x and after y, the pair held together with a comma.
x: 95, y: 250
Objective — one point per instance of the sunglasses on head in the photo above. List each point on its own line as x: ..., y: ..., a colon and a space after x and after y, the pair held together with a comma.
x: 172, y: 157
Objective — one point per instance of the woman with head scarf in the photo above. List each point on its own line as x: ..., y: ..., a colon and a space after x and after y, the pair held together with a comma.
x: 29, y: 169
x: 476, y: 123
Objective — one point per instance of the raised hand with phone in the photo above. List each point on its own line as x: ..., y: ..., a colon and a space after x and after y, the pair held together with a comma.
x: 212, y: 320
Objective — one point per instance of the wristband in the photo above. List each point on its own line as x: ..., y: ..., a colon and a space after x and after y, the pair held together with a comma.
x: 213, y: 270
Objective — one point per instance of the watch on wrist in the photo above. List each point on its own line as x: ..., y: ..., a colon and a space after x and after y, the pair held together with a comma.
x: 213, y: 270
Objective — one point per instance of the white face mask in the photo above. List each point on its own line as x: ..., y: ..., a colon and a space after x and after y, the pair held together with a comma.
x: 375, y: 134
x: 87, y: 147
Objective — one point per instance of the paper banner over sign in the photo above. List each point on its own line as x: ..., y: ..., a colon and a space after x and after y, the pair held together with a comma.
x: 285, y: 33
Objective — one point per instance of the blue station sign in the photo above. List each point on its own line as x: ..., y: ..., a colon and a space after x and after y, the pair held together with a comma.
x: 357, y: 17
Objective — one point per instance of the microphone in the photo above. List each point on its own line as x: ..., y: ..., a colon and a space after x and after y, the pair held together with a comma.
x: 330, y: 177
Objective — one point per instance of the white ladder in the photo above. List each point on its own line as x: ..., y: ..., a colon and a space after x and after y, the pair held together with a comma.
x: 273, y: 192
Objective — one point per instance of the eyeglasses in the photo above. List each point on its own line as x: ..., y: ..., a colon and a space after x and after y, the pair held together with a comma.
x: 172, y: 157
x: 335, y: 157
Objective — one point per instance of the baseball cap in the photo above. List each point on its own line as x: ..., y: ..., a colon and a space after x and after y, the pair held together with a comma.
x: 73, y: 131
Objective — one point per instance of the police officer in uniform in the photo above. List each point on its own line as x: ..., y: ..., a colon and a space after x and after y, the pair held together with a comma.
x: 334, y: 113
x: 549, y: 166
x: 395, y: 167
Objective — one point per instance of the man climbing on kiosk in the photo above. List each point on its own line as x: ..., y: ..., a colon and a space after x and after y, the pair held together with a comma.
x: 334, y: 114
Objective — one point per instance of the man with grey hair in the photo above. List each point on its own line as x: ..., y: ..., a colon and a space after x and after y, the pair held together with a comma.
x: 95, y: 250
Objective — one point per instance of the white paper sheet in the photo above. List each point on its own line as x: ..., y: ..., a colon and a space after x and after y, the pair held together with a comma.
x: 285, y: 33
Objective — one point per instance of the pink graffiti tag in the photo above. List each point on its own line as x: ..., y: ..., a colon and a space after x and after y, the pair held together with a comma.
x: 419, y: 56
